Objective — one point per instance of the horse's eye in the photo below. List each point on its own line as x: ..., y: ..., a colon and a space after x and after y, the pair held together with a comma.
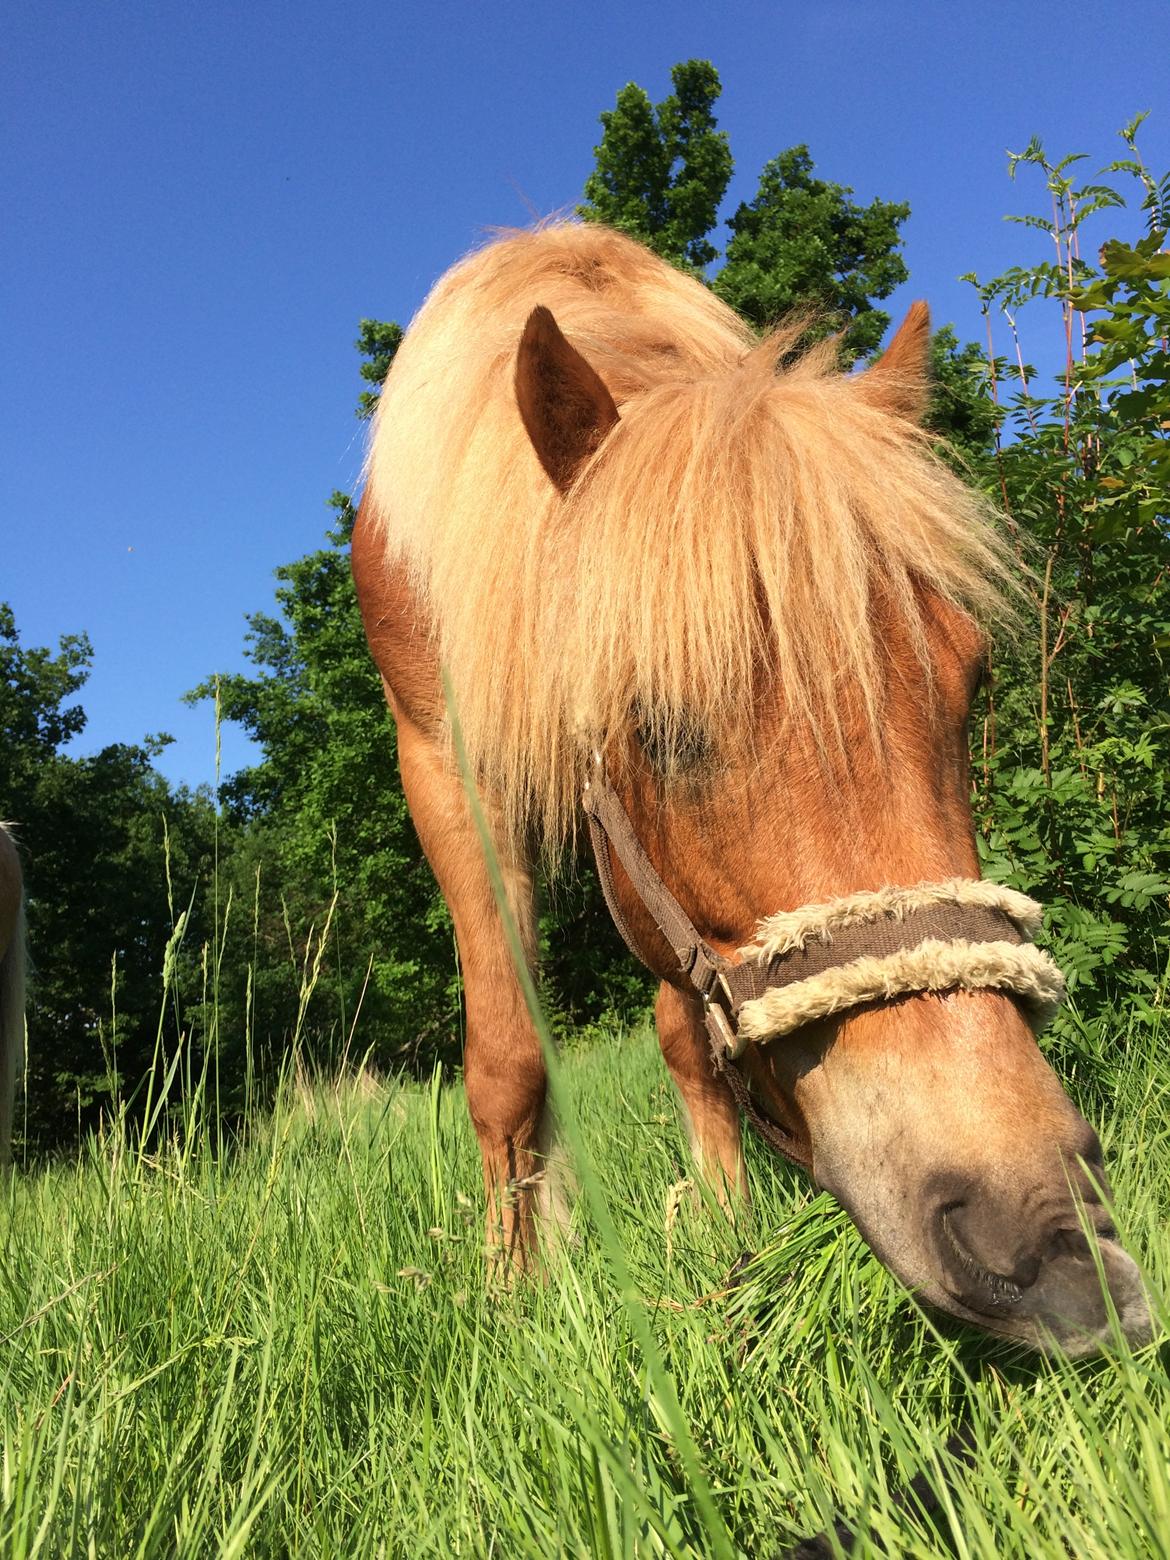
x: 673, y: 747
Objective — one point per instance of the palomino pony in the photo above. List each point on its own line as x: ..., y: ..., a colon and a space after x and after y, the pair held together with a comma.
x: 11, y: 988
x: 742, y: 601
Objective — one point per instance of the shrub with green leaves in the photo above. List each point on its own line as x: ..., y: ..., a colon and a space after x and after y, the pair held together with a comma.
x: 1072, y: 748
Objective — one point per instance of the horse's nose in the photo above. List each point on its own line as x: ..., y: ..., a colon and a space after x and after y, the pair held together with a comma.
x: 998, y: 1263
x: 978, y: 1272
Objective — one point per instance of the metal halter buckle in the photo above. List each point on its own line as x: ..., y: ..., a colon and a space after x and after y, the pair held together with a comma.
x: 717, y: 1011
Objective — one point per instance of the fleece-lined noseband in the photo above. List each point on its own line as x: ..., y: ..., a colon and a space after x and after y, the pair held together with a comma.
x: 811, y: 963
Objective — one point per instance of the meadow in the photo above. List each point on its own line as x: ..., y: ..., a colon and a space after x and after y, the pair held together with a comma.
x: 281, y: 1343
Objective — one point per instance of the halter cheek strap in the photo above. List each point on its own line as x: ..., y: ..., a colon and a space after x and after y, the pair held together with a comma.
x: 823, y: 959
x: 712, y: 976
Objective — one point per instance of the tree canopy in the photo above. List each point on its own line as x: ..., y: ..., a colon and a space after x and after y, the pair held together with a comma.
x: 661, y: 172
x: 107, y: 846
x: 803, y: 244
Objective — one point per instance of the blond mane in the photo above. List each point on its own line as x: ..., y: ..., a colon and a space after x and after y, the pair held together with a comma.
x: 737, y: 517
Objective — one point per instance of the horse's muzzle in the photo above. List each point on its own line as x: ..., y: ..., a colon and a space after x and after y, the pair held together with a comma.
x: 1041, y: 1277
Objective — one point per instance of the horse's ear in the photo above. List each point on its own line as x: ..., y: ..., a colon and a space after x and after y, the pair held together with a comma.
x: 899, y: 381
x: 563, y: 401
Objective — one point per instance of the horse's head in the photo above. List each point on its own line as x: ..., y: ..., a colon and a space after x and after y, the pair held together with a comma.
x: 934, y: 1118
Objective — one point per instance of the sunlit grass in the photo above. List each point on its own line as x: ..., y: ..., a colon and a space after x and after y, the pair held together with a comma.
x: 288, y: 1348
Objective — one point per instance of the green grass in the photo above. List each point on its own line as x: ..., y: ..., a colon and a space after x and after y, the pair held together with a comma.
x: 288, y: 1350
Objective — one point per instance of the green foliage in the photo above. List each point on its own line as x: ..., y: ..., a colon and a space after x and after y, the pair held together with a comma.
x: 378, y: 342
x: 661, y: 172
x: 1074, y: 746
x: 313, y: 852
x: 588, y: 978
x: 34, y: 685
x: 1069, y: 792
x: 802, y: 244
x: 106, y: 844
x: 328, y: 828
x: 961, y: 409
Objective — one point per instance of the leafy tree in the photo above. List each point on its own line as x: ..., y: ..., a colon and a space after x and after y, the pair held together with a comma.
x: 324, y: 840
x: 378, y: 341
x: 961, y: 409
x: 34, y: 685
x: 1074, y: 746
x: 102, y: 837
x: 307, y: 896
x: 803, y: 243
x: 328, y: 829
x: 662, y: 172
x: 1069, y: 776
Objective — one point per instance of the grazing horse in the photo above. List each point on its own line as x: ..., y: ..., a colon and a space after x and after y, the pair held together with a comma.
x: 11, y: 988
x: 734, y: 591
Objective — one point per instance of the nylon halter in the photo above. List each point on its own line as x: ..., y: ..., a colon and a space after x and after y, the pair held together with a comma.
x: 825, y: 959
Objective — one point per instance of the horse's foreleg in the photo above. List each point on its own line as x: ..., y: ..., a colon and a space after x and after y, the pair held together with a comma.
x: 503, y: 1065
x: 712, y: 1118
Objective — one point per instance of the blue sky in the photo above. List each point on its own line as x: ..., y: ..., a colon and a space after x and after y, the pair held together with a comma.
x: 201, y: 202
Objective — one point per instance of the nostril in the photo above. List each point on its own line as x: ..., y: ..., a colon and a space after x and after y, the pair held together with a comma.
x: 1029, y: 1260
x: 989, y: 1245
x: 1084, y: 1161
x: 971, y: 1282
x: 1067, y: 1243
x: 1091, y: 1151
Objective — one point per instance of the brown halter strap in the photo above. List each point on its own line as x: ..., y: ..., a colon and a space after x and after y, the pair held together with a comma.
x: 725, y: 986
x: 706, y: 970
